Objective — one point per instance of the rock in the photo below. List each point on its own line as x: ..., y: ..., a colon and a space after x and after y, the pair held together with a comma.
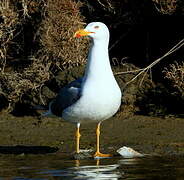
x: 83, y: 154
x: 127, y: 152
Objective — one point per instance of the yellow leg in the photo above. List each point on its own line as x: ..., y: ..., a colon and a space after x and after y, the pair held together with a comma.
x: 77, y: 163
x: 98, y: 153
x: 78, y: 138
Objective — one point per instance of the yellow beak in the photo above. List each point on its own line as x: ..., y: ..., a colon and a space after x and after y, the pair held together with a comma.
x: 82, y: 32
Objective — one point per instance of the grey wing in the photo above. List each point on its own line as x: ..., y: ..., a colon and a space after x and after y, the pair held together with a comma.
x: 67, y: 96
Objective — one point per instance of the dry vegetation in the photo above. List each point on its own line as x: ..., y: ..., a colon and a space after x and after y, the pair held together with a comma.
x: 36, y: 41
x: 9, y: 22
x: 175, y: 74
x: 166, y: 6
x: 62, y: 19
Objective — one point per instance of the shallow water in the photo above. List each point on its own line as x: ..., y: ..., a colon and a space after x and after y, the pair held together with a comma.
x: 57, y: 166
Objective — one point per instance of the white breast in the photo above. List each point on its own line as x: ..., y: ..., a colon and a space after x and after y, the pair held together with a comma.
x: 94, y: 106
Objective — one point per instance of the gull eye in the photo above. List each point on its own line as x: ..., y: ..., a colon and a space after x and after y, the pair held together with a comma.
x: 96, y: 27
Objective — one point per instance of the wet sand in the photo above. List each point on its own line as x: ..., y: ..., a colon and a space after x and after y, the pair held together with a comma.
x: 150, y: 135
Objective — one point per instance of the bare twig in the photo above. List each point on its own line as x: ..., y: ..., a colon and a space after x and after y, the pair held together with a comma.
x: 40, y: 94
x: 146, y: 69
x: 25, y: 9
x: 128, y: 72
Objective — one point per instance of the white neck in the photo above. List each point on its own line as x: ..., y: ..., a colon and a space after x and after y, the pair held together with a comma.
x: 98, y: 64
x: 98, y: 71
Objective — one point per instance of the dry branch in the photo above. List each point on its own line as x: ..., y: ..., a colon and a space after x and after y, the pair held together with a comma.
x: 146, y: 69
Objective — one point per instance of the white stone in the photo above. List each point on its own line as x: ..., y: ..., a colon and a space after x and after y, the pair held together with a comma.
x: 128, y: 152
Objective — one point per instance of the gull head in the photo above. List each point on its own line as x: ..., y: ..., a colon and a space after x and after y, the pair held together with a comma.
x: 95, y: 30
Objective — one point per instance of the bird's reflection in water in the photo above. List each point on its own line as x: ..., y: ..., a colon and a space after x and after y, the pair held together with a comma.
x: 97, y: 171
x: 87, y: 172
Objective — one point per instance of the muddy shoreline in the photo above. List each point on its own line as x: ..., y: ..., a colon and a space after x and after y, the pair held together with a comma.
x: 150, y: 135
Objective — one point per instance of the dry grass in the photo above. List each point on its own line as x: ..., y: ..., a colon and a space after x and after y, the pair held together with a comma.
x: 10, y: 21
x: 175, y: 74
x: 169, y: 6
x: 62, y: 19
x: 166, y: 6
x: 23, y: 72
x: 16, y: 84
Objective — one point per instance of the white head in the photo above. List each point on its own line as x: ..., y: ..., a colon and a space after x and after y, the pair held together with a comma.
x: 95, y: 30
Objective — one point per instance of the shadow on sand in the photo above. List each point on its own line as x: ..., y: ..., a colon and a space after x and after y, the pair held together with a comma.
x: 27, y: 149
